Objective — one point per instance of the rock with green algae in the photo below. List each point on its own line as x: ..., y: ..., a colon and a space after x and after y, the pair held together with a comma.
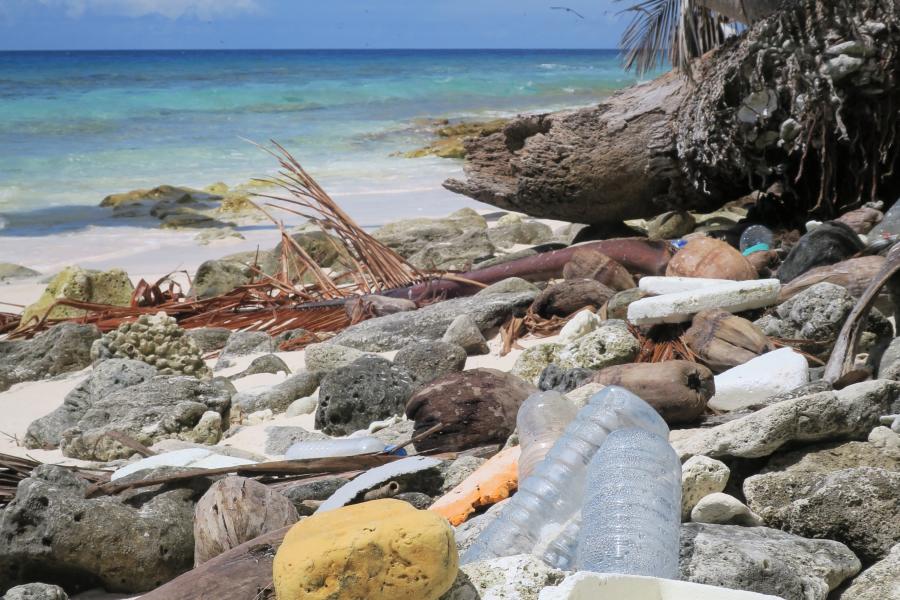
x: 156, y: 340
x: 160, y: 194
x: 111, y: 287
x: 10, y: 271
x: 532, y: 362
x: 451, y: 138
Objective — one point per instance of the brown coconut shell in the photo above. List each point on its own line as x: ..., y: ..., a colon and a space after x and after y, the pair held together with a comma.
x: 679, y: 390
x: 723, y: 340
x: 710, y: 258
x: 567, y: 297
x: 862, y: 220
x: 591, y: 264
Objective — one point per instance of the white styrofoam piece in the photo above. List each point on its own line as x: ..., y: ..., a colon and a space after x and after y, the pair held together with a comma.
x: 374, y: 477
x: 679, y: 307
x: 608, y: 586
x: 658, y: 286
x: 192, y: 458
x: 773, y: 373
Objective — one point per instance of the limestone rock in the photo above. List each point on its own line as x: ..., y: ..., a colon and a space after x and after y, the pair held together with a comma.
x: 36, y: 591
x: 267, y: 363
x: 209, y: 339
x: 131, y: 542
x: 520, y: 577
x: 10, y: 271
x: 532, y: 362
x: 510, y: 285
x: 235, y: 510
x: 156, y: 340
x: 604, y: 347
x: 476, y: 407
x: 455, y: 472
x: 243, y: 343
x: 306, y: 495
x: 216, y: 277
x: 278, y: 397
x: 74, y: 283
x: 393, y: 332
x: 579, y: 326
x: 878, y: 582
x: 372, y: 305
x: 856, y: 506
x: 368, y: 390
x: 678, y: 390
x: 158, y: 408
x: 764, y: 560
x: 325, y: 358
x: 465, y: 333
x: 519, y: 231
x: 426, y: 361
x: 833, y: 415
x: 61, y: 349
x: 723, y: 509
x: 280, y: 437
x: 380, y: 550
x: 456, y: 254
x: 700, y: 477
x: 326, y: 250
x: 108, y: 377
x: 409, y: 236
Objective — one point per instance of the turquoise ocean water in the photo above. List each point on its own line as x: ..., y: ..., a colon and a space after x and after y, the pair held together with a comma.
x: 76, y: 126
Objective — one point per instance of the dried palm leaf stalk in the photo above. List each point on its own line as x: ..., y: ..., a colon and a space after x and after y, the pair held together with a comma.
x: 532, y: 323
x: 662, y: 343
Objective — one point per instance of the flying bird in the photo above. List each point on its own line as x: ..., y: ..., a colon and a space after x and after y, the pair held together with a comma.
x: 567, y: 9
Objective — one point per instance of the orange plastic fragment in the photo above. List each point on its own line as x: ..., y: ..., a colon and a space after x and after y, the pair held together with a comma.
x: 494, y: 481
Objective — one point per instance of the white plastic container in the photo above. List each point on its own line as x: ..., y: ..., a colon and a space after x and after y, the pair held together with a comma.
x: 604, y: 586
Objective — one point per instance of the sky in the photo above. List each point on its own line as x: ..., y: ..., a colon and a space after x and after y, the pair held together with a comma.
x: 234, y: 24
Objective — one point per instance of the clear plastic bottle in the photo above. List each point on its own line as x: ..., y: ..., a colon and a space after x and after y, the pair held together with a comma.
x: 332, y: 448
x: 632, y: 511
x: 756, y: 238
x: 541, y: 420
x: 545, y: 503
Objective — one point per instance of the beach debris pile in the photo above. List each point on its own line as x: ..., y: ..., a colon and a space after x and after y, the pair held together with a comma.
x: 713, y: 411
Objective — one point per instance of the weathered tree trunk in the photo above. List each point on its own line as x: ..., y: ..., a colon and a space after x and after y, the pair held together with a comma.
x: 807, y: 98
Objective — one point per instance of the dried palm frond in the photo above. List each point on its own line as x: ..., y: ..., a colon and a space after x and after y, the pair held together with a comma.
x: 662, y: 343
x: 14, y: 469
x: 673, y: 31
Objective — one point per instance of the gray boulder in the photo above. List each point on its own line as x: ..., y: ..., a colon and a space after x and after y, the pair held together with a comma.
x: 465, y: 333
x: 61, y: 349
x: 305, y: 495
x: 132, y: 542
x: 278, y: 397
x: 393, y: 332
x: 426, y: 361
x: 267, y: 363
x: 159, y: 408
x: 352, y: 397
x: 412, y: 235
x: 279, y: 438
x: 216, y: 277
x: 513, y: 229
x: 881, y: 581
x: 325, y: 358
x: 763, y: 560
x: 850, y: 413
x: 889, y: 365
x: 209, y: 339
x: 244, y: 343
x: 856, y: 506
x: 457, y: 254
x: 106, y: 378
x: 456, y: 471
x: 36, y: 591
x: 510, y: 285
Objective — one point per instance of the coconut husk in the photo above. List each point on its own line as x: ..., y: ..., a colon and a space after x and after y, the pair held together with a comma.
x: 853, y: 274
x: 710, y: 258
x: 567, y: 297
x: 679, y: 390
x: 722, y: 340
x: 862, y: 220
x: 591, y: 264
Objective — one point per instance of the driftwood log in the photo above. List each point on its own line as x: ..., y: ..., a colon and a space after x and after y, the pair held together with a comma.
x: 805, y: 98
x: 236, y: 510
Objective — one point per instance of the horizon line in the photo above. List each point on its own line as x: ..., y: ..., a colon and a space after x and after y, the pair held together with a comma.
x: 291, y: 49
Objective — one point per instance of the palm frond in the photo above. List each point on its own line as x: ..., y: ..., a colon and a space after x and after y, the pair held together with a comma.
x: 673, y: 31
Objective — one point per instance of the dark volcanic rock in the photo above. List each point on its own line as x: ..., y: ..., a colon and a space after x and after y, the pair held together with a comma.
x: 62, y: 349
x: 554, y: 377
x: 828, y: 244
x: 352, y: 397
x: 476, y: 407
x: 131, y: 542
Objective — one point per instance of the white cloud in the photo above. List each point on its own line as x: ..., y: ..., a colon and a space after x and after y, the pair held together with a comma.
x: 171, y: 9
